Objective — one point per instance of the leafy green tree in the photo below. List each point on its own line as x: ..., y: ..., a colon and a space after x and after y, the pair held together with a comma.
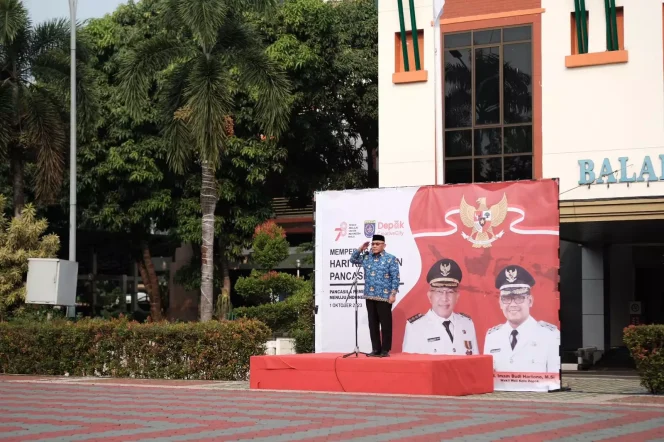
x: 124, y: 183
x: 210, y: 52
x: 20, y: 239
x: 34, y: 88
x: 243, y: 204
x: 329, y: 50
x: 357, y: 66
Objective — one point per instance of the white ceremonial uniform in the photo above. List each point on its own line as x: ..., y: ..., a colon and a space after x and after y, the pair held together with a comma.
x: 536, y: 350
x: 426, y: 334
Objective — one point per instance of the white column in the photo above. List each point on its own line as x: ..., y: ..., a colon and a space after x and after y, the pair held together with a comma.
x: 592, y: 297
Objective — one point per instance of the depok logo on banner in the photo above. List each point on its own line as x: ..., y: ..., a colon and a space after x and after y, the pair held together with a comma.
x: 371, y: 228
x: 392, y: 228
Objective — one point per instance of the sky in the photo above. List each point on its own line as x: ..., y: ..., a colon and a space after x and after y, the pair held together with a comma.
x: 41, y: 10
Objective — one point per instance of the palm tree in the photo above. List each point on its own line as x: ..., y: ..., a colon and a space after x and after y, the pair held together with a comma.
x: 34, y: 87
x: 206, y: 51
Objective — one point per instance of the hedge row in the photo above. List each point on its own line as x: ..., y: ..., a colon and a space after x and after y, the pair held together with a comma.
x: 120, y: 348
x: 646, y: 344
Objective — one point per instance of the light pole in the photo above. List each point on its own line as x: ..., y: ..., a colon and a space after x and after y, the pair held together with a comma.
x: 297, y: 261
x: 71, y: 311
x: 72, y: 135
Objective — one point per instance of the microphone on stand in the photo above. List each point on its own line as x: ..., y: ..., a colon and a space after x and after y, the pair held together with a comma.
x: 354, y: 287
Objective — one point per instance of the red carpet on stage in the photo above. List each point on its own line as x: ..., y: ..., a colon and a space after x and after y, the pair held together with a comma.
x: 401, y: 373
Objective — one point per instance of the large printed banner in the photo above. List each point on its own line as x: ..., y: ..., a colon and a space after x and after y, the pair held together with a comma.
x: 499, y: 240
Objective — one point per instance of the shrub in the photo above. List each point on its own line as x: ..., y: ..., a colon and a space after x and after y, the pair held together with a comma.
x: 120, y: 348
x: 304, y: 340
x: 646, y: 345
x: 270, y: 246
x: 260, y: 288
x: 303, y: 330
x: 279, y: 316
x: 20, y: 239
x: 294, y: 316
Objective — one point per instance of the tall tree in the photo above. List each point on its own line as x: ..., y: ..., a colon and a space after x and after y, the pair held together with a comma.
x: 244, y: 204
x: 357, y: 66
x: 210, y: 51
x: 125, y: 185
x: 330, y: 52
x: 34, y: 79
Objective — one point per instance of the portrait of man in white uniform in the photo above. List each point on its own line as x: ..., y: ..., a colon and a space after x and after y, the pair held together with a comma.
x: 441, y: 330
x: 521, y: 344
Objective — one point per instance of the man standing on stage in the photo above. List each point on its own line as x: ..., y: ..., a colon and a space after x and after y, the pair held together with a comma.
x: 381, y: 284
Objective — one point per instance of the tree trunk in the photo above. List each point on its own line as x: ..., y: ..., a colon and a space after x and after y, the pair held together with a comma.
x: 18, y: 179
x: 208, y: 206
x: 224, y: 305
x: 225, y: 269
x: 153, y: 292
x: 144, y: 276
x: 146, y: 282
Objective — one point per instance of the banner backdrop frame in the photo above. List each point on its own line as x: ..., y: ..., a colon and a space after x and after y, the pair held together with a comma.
x: 493, y: 231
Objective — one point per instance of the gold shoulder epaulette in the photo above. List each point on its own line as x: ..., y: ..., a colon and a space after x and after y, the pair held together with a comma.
x: 547, y: 325
x: 496, y: 328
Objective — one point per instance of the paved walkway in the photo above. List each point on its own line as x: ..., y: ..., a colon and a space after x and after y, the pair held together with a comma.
x: 85, y: 409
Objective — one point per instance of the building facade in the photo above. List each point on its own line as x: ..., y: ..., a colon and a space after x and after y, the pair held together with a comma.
x: 565, y: 89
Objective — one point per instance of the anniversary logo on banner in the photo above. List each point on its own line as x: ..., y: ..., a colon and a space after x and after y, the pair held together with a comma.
x: 479, y: 273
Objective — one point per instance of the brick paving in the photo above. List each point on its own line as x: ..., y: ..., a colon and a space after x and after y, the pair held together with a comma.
x: 41, y: 408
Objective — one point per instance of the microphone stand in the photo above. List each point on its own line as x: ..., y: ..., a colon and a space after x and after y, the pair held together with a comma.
x: 357, y: 351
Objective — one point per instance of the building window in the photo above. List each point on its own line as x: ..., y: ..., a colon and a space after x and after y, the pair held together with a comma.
x: 410, y: 50
x: 575, y: 27
x: 488, y: 116
x: 620, y: 28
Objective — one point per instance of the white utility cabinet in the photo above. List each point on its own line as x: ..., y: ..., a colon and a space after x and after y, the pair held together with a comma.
x: 51, y: 281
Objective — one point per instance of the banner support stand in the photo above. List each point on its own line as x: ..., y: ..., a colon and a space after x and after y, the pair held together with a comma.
x: 560, y: 348
x: 315, y: 253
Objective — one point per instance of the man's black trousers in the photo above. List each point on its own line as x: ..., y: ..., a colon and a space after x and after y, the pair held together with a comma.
x: 380, y: 317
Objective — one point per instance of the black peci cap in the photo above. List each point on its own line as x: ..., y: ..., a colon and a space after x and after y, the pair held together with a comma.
x: 444, y: 273
x: 514, y: 280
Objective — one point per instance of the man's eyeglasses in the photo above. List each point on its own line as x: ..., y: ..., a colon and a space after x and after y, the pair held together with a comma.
x: 517, y: 299
x: 443, y: 291
x: 377, y: 243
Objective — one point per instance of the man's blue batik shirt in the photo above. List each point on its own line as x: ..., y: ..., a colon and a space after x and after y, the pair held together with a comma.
x: 381, y: 274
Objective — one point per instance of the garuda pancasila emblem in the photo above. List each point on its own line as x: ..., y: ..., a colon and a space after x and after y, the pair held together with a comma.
x: 482, y: 220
